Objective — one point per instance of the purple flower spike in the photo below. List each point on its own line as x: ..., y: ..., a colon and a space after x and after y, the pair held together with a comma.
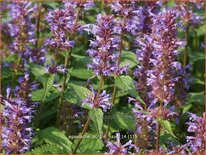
x: 21, y: 28
x: 61, y: 23
x: 105, y: 45
x: 162, y: 77
x: 117, y: 147
x: 101, y: 101
x: 17, y: 114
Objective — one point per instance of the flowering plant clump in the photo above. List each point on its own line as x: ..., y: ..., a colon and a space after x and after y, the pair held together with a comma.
x: 103, y: 77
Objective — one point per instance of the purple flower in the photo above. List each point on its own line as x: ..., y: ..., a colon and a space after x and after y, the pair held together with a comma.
x: 144, y: 55
x: 105, y: 45
x: 21, y: 28
x: 61, y: 23
x: 86, y: 4
x: 188, y: 16
x: 23, y: 90
x: 196, y: 125
x: 128, y: 13
x: 53, y: 69
x: 117, y: 148
x: 145, y: 125
x: 162, y: 76
x: 17, y: 115
x: 36, y: 55
x: 101, y: 101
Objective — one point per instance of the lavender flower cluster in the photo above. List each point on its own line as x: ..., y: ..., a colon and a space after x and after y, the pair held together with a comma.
x: 21, y: 27
x: 17, y: 116
x: 105, y: 45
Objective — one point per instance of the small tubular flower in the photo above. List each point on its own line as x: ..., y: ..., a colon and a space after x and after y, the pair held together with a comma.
x: 117, y: 148
x: 86, y: 4
x: 61, y: 22
x: 104, y: 46
x: 21, y: 27
x: 101, y: 101
x: 162, y: 77
x: 17, y: 115
x: 196, y: 125
x: 145, y: 126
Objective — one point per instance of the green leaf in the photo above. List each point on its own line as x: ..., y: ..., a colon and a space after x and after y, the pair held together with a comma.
x: 167, y: 127
x: 195, y: 55
x: 82, y: 92
x: 126, y: 84
x: 128, y: 57
x: 198, y: 81
x: 91, y: 143
x: 81, y: 73
x: 37, y: 70
x: 167, y: 139
x: 37, y: 95
x: 186, y: 108
x: 197, y: 98
x: 96, y: 116
x: 47, y: 149
x: 53, y: 136
x: 123, y: 121
x: 71, y: 97
x: 200, y: 31
x: 47, y: 81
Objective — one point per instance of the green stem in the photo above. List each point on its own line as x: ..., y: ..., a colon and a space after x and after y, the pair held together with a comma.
x: 67, y: 63
x: 102, y: 5
x: 158, y: 137
x: 158, y: 132
x: 89, y: 119
x: 82, y: 134
x: 115, y: 86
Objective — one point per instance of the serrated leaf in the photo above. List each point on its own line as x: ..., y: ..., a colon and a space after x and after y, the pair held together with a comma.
x: 126, y: 84
x: 197, y: 98
x: 82, y: 92
x: 91, y: 143
x: 81, y: 73
x: 47, y: 82
x: 37, y: 70
x: 123, y: 121
x: 96, y: 116
x: 128, y: 57
x: 37, y: 95
x: 53, y: 136
x: 186, y: 108
x: 167, y: 127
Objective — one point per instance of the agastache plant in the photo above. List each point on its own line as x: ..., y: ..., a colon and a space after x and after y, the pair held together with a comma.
x: 17, y: 116
x: 145, y: 123
x: 63, y: 25
x: 103, y: 54
x: 114, y: 74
